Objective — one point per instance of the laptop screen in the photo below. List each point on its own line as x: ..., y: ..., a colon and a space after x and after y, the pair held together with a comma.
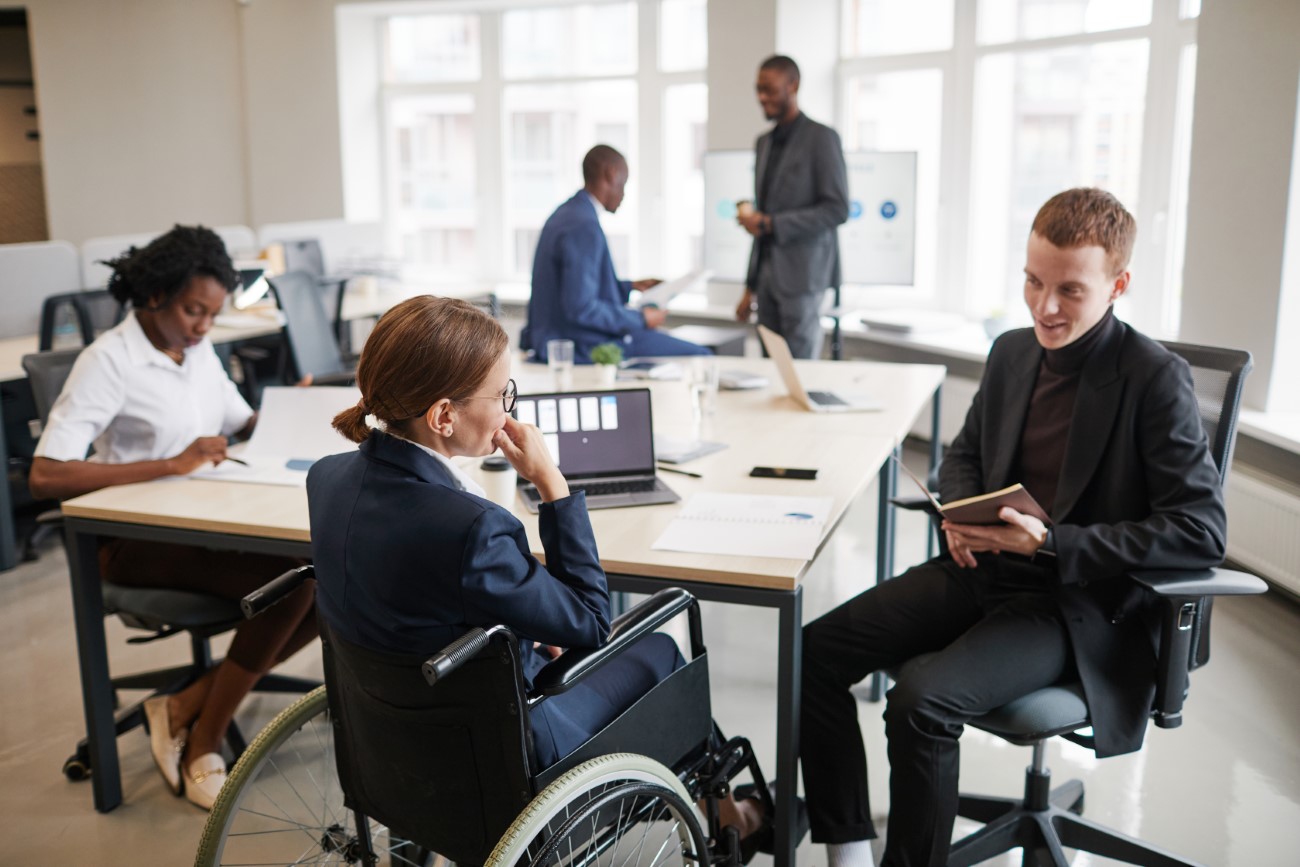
x: 593, y: 434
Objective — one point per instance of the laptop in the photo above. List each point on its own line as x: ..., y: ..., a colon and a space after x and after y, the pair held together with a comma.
x: 813, y: 401
x: 603, y: 443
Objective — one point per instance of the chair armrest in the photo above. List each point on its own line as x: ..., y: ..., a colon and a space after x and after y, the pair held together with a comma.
x: 274, y: 590
x: 628, y: 628
x: 346, y: 377
x: 50, y: 518
x: 1184, y: 611
x: 1199, y: 582
x: 913, y: 504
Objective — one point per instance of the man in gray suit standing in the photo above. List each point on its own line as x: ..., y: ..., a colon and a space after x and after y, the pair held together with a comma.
x: 801, y: 194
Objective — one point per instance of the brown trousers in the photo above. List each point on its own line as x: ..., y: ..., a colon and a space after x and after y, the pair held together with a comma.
x: 258, y: 643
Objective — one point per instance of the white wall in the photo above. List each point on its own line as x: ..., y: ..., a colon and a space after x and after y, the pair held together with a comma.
x: 1243, y: 132
x: 141, y: 114
x: 742, y: 33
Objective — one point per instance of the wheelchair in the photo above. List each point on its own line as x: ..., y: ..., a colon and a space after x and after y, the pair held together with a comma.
x: 403, y: 760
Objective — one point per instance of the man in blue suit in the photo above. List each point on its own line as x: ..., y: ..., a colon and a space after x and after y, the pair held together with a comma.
x: 576, y: 294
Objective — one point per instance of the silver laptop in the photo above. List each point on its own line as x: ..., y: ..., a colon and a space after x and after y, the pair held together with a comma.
x: 813, y: 401
x: 603, y: 443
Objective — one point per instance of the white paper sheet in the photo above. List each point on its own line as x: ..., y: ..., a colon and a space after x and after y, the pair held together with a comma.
x: 745, y: 525
x: 660, y: 295
x: 294, y: 429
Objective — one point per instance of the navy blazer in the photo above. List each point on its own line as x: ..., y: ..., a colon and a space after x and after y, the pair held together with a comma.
x: 576, y: 294
x: 1138, y: 490
x: 406, y: 562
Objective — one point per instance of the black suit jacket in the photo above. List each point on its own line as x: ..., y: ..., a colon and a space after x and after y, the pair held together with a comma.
x: 1138, y: 489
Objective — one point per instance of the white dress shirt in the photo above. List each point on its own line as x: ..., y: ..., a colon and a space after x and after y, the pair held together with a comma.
x: 133, y: 403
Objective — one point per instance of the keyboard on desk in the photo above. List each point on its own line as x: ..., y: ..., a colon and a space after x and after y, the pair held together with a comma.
x: 826, y: 398
x: 614, y: 493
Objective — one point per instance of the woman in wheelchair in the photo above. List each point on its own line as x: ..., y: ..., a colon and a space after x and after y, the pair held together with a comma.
x: 152, y: 398
x: 409, y: 555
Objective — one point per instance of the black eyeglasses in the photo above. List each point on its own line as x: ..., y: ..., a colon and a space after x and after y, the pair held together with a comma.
x: 507, y: 397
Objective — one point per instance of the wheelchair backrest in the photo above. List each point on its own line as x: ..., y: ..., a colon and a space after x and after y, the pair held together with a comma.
x: 444, y: 766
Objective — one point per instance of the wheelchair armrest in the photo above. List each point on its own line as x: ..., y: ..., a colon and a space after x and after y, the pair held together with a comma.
x: 1182, y: 593
x: 628, y: 628
x: 274, y: 590
x: 50, y: 518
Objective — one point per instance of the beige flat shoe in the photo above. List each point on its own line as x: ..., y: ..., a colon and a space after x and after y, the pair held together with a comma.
x: 166, y: 749
x: 204, y: 778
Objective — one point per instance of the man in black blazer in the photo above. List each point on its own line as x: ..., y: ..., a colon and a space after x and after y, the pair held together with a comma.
x: 801, y: 194
x: 1101, y: 424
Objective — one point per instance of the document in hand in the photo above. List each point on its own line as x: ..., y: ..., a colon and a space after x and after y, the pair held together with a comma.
x: 660, y: 295
x: 294, y: 430
x: 982, y: 509
x: 746, y: 525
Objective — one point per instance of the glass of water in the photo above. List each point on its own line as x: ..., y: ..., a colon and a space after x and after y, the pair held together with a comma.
x: 559, y: 357
x: 702, y: 375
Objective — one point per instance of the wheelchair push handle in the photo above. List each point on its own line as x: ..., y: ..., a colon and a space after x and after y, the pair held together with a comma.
x: 274, y: 590
x: 456, y: 654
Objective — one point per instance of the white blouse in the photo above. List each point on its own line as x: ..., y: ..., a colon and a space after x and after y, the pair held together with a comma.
x: 133, y: 403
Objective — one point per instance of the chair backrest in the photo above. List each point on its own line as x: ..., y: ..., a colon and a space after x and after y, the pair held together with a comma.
x: 92, y: 312
x: 308, y: 326
x: 29, y: 273
x: 1218, y: 377
x: 46, y: 373
x: 445, y: 766
x: 304, y: 254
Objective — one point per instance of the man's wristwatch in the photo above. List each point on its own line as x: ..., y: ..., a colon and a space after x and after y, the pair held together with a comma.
x: 1048, y: 548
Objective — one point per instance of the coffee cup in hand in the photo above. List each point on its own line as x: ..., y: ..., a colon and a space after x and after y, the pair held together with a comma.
x: 744, y: 208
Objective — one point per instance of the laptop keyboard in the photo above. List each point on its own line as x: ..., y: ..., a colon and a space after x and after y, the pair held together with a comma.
x: 595, y: 489
x: 825, y: 398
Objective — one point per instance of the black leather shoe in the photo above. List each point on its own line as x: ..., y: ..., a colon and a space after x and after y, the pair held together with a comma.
x: 764, y: 839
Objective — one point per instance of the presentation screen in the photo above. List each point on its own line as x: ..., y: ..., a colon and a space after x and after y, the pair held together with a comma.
x: 877, y: 244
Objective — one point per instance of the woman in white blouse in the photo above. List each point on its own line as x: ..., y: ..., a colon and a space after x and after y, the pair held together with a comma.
x: 153, y: 400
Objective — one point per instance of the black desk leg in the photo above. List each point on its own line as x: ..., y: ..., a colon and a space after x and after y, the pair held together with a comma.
x: 888, y: 482
x: 788, y: 689
x: 92, y: 654
x: 936, y: 455
x: 8, y: 542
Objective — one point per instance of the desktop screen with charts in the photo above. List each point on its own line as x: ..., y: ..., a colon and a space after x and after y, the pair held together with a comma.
x: 606, y: 433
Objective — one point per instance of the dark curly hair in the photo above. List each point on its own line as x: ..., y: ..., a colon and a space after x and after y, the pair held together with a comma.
x: 150, y: 276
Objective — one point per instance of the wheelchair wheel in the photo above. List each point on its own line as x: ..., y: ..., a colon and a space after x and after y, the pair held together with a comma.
x: 282, y: 803
x: 619, y: 809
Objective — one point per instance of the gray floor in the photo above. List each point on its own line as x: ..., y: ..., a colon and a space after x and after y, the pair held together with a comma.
x: 1225, y: 788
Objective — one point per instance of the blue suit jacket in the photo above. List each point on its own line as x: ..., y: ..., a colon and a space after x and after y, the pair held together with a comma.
x: 407, y: 563
x: 576, y: 294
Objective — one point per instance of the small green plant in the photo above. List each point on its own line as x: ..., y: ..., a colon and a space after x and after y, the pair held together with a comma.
x: 606, y: 353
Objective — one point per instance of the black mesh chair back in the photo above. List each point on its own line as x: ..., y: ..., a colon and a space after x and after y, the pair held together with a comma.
x: 308, y: 327
x: 46, y: 373
x: 447, y: 766
x: 94, y: 311
x: 1218, y: 377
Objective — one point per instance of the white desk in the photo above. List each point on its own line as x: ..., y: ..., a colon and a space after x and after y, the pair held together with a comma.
x: 762, y: 426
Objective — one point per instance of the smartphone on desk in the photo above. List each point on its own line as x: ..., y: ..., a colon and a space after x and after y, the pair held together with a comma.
x: 782, y: 473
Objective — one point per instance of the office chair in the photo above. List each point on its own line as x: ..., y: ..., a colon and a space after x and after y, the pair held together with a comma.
x: 1047, y: 820
x: 306, y: 255
x: 161, y: 612
x: 313, y: 346
x: 95, y: 311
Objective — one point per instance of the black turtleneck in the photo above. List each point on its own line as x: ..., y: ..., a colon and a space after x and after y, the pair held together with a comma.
x: 1047, y: 424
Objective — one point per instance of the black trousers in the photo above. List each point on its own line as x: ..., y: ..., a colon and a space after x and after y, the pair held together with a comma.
x: 996, y: 634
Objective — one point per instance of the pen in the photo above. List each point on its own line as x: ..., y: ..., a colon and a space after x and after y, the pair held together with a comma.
x: 237, y: 460
x: 681, y: 472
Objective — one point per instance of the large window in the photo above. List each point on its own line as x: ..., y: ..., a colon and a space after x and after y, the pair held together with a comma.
x: 1034, y: 96
x: 487, y: 113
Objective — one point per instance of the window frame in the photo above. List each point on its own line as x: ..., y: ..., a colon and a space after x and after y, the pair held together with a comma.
x: 1153, y: 303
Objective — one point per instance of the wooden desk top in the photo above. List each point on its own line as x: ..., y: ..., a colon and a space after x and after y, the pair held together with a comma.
x: 763, y: 427
x: 13, y: 349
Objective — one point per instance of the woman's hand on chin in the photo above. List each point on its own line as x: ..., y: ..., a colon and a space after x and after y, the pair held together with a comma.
x: 523, y: 446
